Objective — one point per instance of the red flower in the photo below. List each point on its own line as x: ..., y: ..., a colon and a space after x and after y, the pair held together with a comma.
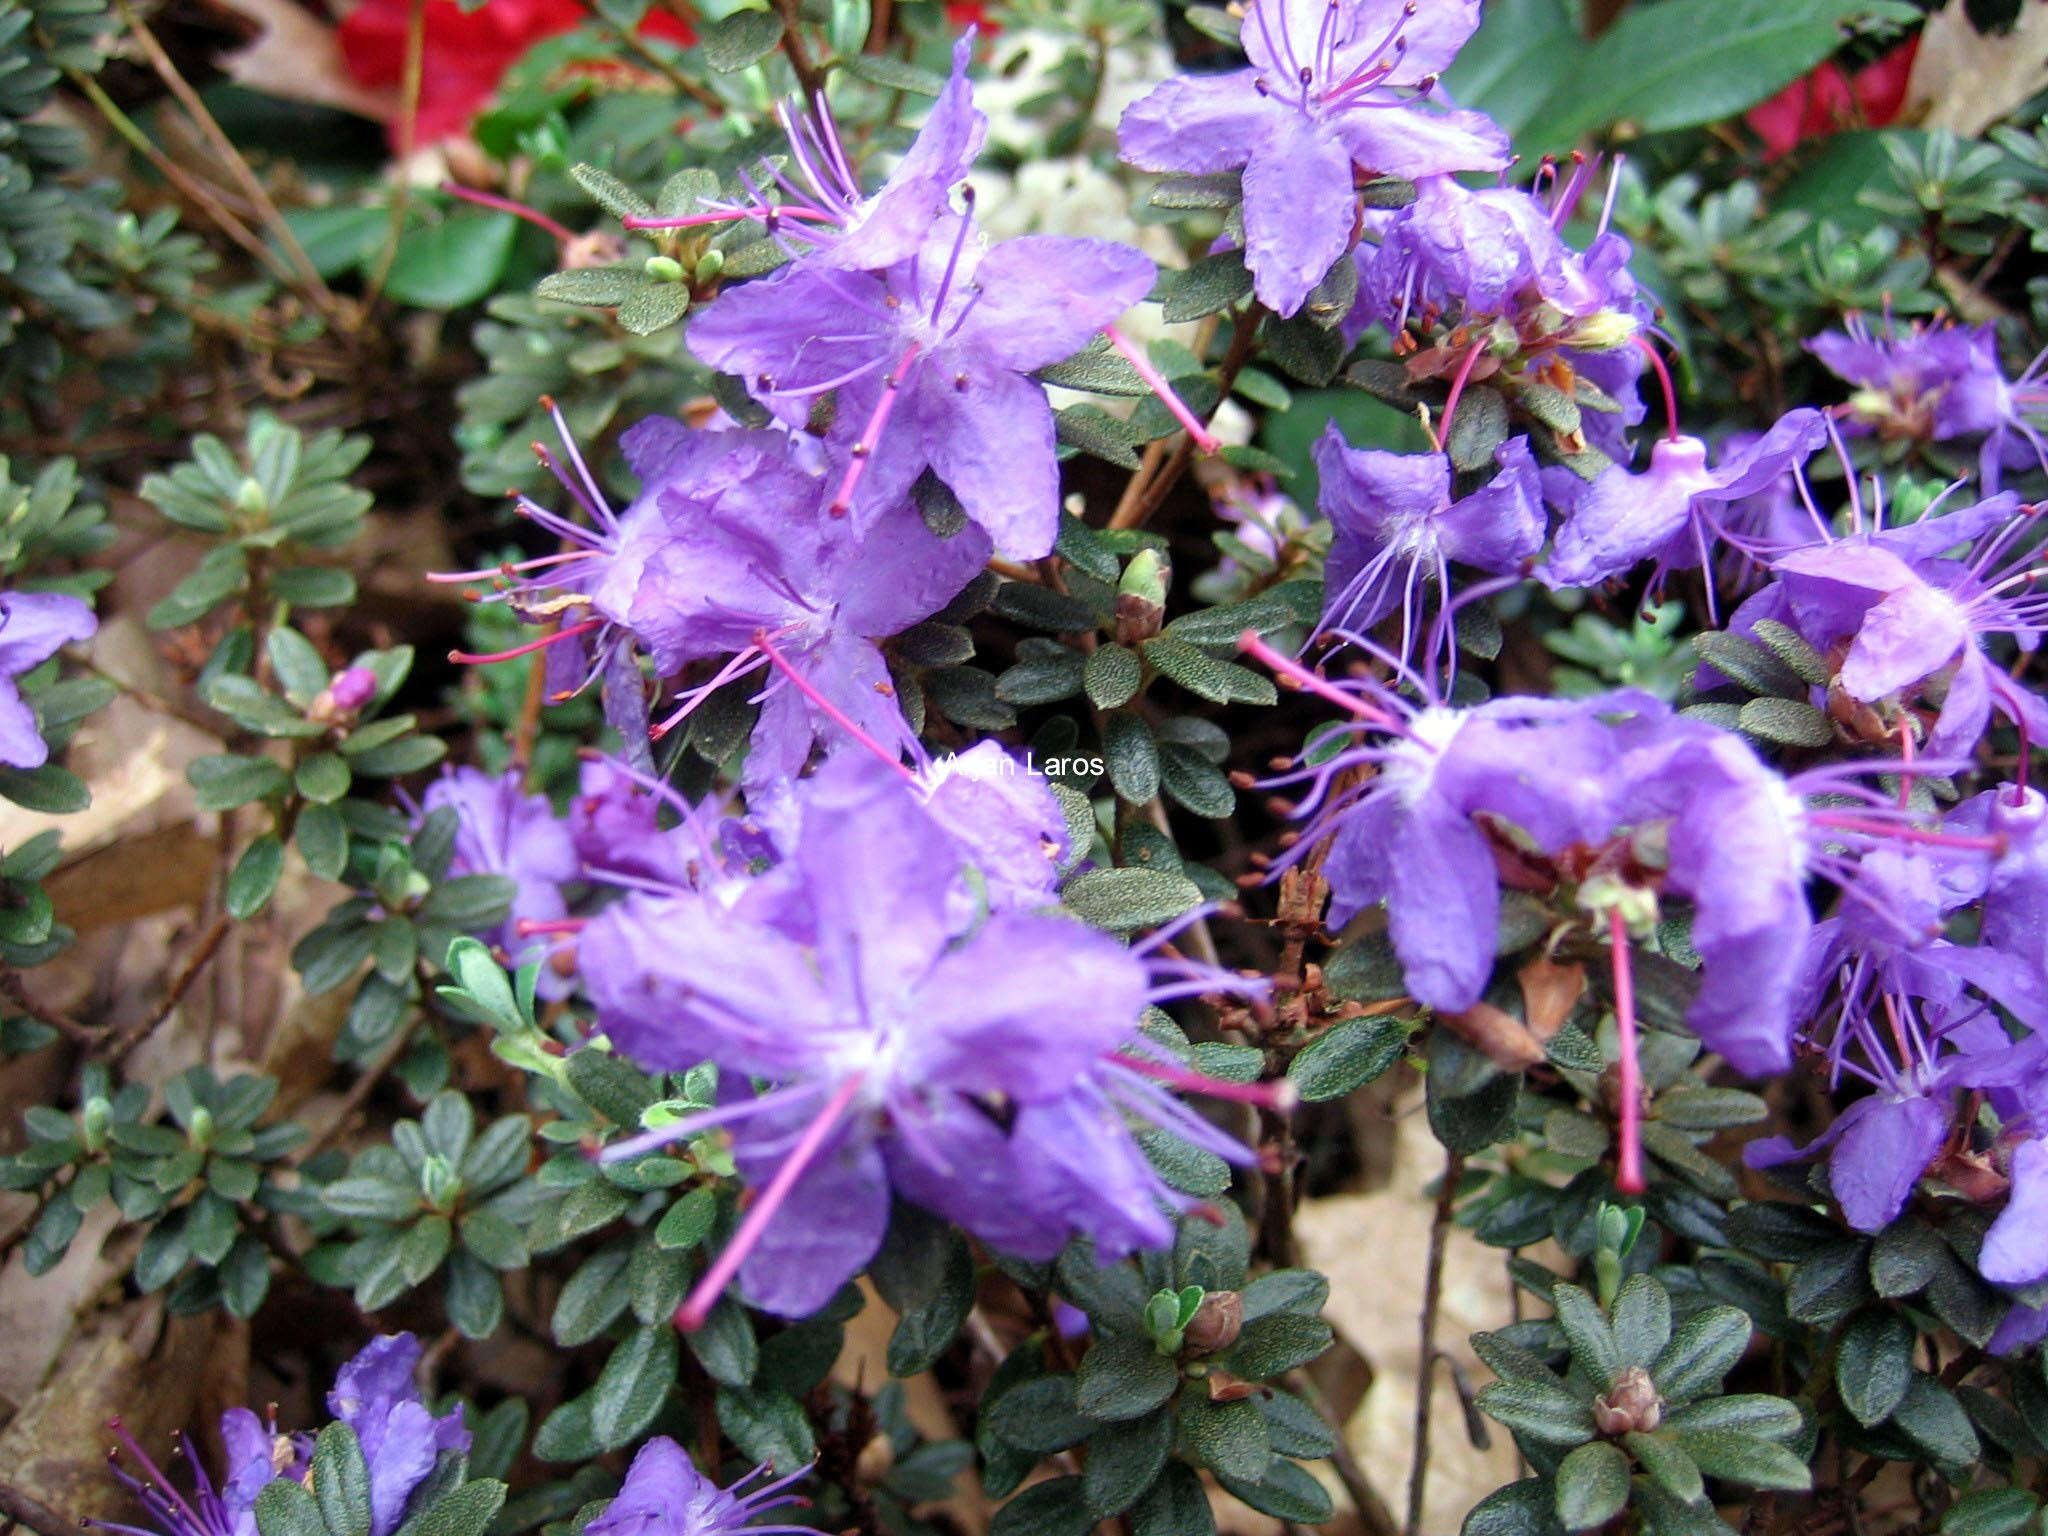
x: 1829, y: 100
x: 467, y: 52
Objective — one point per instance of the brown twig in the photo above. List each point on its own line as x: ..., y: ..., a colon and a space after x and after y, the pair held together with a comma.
x: 13, y: 989
x: 358, y: 1094
x: 1425, y: 1365
x: 411, y: 83
x: 798, y: 52
x: 696, y: 90
x: 26, y: 1510
x: 167, y: 71
x: 119, y: 1046
x: 1374, y: 1513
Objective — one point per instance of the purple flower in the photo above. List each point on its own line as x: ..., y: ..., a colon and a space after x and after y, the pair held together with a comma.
x: 826, y: 210
x: 729, y: 552
x: 502, y: 830
x: 1938, y: 384
x: 1909, y: 616
x: 33, y: 627
x: 911, y: 1051
x: 1398, y: 524
x: 1675, y: 509
x: 256, y: 1455
x: 929, y: 363
x: 2014, y: 886
x: 665, y: 1495
x: 376, y: 1395
x: 2016, y: 1247
x: 1005, y: 818
x: 1333, y: 85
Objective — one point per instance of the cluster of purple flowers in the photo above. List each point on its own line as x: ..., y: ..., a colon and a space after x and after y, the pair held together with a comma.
x: 376, y: 1394
x: 34, y: 626
x: 869, y: 953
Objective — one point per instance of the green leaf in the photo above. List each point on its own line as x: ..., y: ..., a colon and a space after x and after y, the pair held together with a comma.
x: 1539, y: 1409
x: 1133, y: 757
x: 286, y: 1508
x: 926, y: 1330
x: 1874, y: 1365
x: 741, y: 38
x: 768, y: 1426
x: 1123, y: 1378
x: 1125, y: 900
x: 894, y: 74
x: 1286, y: 1492
x: 220, y: 783
x: 455, y: 262
x: 1123, y: 1461
x: 1592, y: 1485
x: 1749, y: 1460
x: 1174, y: 1505
x: 1702, y: 1353
x: 597, y: 287
x: 1040, y: 1416
x: 1933, y: 1420
x: 1593, y: 1348
x: 313, y: 586
x: 688, y: 1222
x: 323, y: 778
x: 1272, y: 1346
x: 1687, y: 62
x: 1112, y: 675
x: 50, y: 790
x: 1057, y: 1507
x: 1785, y: 722
x: 725, y: 1346
x: 1515, y: 60
x: 631, y: 1388
x: 1674, y: 1471
x: 1991, y: 1512
x: 341, y: 1482
x: 1228, y: 1438
x: 322, y: 839
x: 464, y: 1511
x: 1220, y: 682
x: 1211, y: 284
x: 255, y: 877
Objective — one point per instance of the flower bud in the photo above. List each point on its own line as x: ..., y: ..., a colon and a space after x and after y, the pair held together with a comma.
x: 97, y: 1118
x: 664, y: 269
x: 1141, y: 598
x: 1216, y: 1325
x: 1631, y: 1406
x: 200, y: 1133
x: 709, y: 265
x: 351, y: 689
x: 249, y: 497
x: 1604, y: 329
x: 439, y: 1182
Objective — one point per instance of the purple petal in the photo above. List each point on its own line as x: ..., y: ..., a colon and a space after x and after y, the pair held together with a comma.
x: 1881, y: 1156
x: 827, y: 1230
x: 1299, y: 209
x: 1909, y: 635
x: 1443, y: 905
x: 34, y: 626
x: 1414, y: 141
x: 1043, y: 297
x: 992, y: 443
x: 1200, y: 124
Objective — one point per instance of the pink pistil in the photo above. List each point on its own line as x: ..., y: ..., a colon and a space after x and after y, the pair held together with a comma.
x: 1279, y: 1095
x: 509, y: 567
x: 1841, y: 823
x: 745, y: 662
x: 1155, y: 381
x: 697, y: 1306
x: 1664, y: 379
x: 1285, y: 666
x: 534, y: 927
x: 469, y: 658
x: 767, y: 215
x: 1628, y: 1177
x: 1443, y: 433
x: 826, y: 707
x: 871, y: 434
x: 532, y: 216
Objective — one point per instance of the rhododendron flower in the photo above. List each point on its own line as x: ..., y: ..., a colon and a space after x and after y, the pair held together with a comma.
x: 1940, y: 383
x: 502, y: 830
x: 909, y: 1051
x: 1674, y: 510
x: 930, y: 365
x: 374, y: 1394
x: 34, y: 626
x: 1398, y: 525
x: 467, y: 51
x: 1334, y: 86
x: 665, y: 1495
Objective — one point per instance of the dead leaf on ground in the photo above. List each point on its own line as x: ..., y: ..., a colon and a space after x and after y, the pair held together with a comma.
x: 1966, y: 80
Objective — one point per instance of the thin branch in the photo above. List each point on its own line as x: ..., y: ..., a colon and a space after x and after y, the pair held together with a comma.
x: 358, y: 1094
x: 798, y: 52
x: 13, y: 989
x: 408, y: 138
x: 25, y: 1510
x: 208, y: 946
x: 1147, y: 492
x: 1374, y: 1513
x: 696, y: 90
x: 223, y: 146
x: 1425, y: 1365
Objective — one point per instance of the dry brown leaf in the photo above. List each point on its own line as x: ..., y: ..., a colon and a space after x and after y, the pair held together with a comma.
x: 297, y: 57
x: 1967, y: 80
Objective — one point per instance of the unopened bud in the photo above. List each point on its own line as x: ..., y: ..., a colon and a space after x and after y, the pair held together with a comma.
x: 351, y: 689
x: 709, y: 265
x: 664, y: 269
x: 1604, y: 329
x: 201, y: 1132
x: 98, y: 1118
x: 1632, y: 1406
x: 249, y: 497
x: 1216, y: 1325
x: 1146, y: 576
